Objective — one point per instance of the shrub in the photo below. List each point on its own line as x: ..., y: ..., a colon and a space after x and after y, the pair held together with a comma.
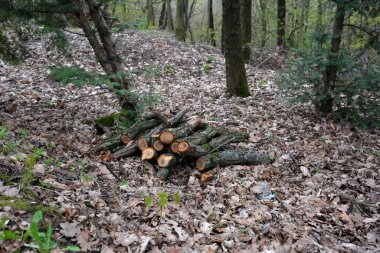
x: 356, y: 93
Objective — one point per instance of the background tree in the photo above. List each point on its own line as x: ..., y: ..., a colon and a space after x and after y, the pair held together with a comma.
x: 180, y: 28
x: 246, y: 27
x: 210, y: 24
x: 236, y: 76
x: 150, y: 12
x: 169, y: 16
x: 281, y: 16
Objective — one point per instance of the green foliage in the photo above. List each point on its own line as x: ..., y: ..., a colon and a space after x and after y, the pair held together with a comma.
x: 148, y: 201
x: 42, y: 241
x: 28, y: 176
x: 210, y: 59
x: 207, y: 68
x: 37, y: 153
x: 162, y: 202
x: 3, y: 132
x: 8, y: 234
x: 176, y: 198
x: 356, y: 93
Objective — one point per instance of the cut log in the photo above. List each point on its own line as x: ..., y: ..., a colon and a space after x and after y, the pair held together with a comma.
x: 131, y: 148
x: 137, y: 128
x: 204, y: 136
x: 216, y: 143
x: 174, y: 147
x: 231, y: 157
x: 158, y: 146
x: 142, y: 143
x: 166, y: 137
x: 109, y: 144
x: 163, y: 173
x: 148, y: 154
x: 188, y: 128
x: 207, y: 176
x: 183, y: 147
x: 167, y: 160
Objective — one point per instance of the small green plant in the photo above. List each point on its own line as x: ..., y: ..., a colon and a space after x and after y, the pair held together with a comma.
x: 8, y: 147
x: 261, y: 83
x: 48, y: 161
x: 176, y: 198
x: 148, y: 201
x: 123, y: 183
x: 318, y: 170
x: 28, y: 176
x: 8, y: 234
x: 37, y: 153
x: 207, y: 68
x: 24, y: 133
x: 87, y: 177
x: 210, y: 59
x: 162, y: 202
x: 3, y: 132
x: 169, y: 69
x: 42, y: 241
x: 271, y: 138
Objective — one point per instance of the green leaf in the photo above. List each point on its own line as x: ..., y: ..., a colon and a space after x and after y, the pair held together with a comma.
x: 162, y: 199
x: 148, y: 201
x: 71, y: 248
x: 30, y: 162
x: 176, y: 198
x: 33, y: 229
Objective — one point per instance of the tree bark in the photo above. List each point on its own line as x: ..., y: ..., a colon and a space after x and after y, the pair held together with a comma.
x: 246, y: 28
x: 105, y: 37
x: 231, y: 157
x: 327, y: 102
x: 301, y: 26
x: 236, y: 76
x: 281, y: 16
x: 169, y: 16
x: 210, y: 24
x: 263, y: 18
x: 150, y: 12
x: 163, y: 21
x: 180, y: 28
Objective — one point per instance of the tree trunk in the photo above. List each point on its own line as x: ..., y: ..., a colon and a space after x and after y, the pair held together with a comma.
x: 163, y: 21
x: 231, y: 157
x: 326, y: 105
x: 281, y: 15
x: 319, y: 16
x: 236, y: 76
x: 210, y: 24
x: 169, y: 16
x: 301, y: 26
x: 180, y: 29
x: 263, y: 18
x: 150, y: 12
x: 105, y: 37
x: 246, y: 29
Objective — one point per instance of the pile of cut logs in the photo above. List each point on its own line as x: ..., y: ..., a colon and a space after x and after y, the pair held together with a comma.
x: 168, y: 141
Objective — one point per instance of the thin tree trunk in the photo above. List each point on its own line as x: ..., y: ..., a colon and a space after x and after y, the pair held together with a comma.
x: 163, y: 21
x: 188, y: 14
x: 150, y: 12
x: 169, y: 16
x: 105, y: 36
x: 301, y: 24
x: 281, y: 15
x: 100, y: 54
x: 246, y: 29
x: 319, y: 16
x: 235, y: 70
x: 210, y: 24
x: 180, y: 30
x: 326, y: 105
x: 263, y: 18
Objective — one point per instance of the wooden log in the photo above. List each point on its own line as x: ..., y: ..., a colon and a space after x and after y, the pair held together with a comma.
x: 183, y: 147
x: 131, y: 148
x: 167, y: 160
x: 137, y: 128
x: 207, y: 176
x: 158, y: 146
x: 166, y: 137
x: 109, y: 144
x: 148, y: 154
x: 163, y: 173
x: 216, y: 143
x: 204, y: 136
x: 231, y: 157
x: 142, y: 143
x: 174, y: 147
x: 188, y: 128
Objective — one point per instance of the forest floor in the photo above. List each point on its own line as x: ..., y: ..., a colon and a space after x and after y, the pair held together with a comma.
x: 325, y: 179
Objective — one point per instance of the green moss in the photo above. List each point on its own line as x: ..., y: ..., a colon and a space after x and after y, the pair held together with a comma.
x: 108, y: 120
x: 206, y: 146
x: 242, y: 88
x: 26, y: 205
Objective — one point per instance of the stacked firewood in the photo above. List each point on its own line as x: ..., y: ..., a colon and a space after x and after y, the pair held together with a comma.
x: 169, y: 141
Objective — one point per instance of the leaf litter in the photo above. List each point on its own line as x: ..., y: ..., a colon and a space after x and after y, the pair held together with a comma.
x: 321, y: 195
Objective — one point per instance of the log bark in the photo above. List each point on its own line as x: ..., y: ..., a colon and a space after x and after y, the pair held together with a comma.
x: 174, y: 147
x: 109, y: 144
x: 207, y: 176
x: 188, y: 128
x: 204, y: 136
x: 216, y: 143
x: 137, y: 128
x: 163, y: 173
x: 231, y: 157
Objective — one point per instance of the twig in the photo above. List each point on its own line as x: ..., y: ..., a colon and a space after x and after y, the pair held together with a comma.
x: 80, y: 34
x: 112, y: 172
x: 221, y: 145
x: 84, y: 96
x: 258, y: 65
